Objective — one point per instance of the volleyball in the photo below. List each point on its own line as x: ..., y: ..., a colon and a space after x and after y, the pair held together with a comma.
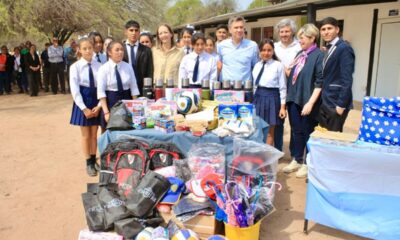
x: 185, y: 234
x: 145, y: 234
x: 187, y: 102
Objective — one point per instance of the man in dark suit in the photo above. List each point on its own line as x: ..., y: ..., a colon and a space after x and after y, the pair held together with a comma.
x: 338, y: 68
x: 137, y: 55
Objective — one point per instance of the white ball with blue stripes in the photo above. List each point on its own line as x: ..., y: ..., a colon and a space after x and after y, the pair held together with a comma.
x: 187, y: 102
x: 185, y: 234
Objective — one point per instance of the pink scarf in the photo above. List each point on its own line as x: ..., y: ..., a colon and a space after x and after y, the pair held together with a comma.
x: 300, y: 60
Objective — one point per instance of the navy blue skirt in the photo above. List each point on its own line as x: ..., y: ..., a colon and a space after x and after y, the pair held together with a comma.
x: 268, y: 103
x: 112, y: 98
x: 89, y: 96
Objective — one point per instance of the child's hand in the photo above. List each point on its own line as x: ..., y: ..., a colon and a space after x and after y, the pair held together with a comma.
x: 107, y: 117
x: 88, y: 113
x: 96, y: 111
x: 282, y: 113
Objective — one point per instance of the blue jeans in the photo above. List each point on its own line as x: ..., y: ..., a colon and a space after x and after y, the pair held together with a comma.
x: 302, y: 127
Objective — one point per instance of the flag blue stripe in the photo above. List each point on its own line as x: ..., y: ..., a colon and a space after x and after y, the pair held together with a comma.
x: 368, y: 215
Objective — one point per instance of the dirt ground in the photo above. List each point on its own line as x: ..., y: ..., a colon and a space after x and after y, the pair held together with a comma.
x: 43, y: 176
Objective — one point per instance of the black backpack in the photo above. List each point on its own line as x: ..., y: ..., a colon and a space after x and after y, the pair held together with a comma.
x: 125, y: 163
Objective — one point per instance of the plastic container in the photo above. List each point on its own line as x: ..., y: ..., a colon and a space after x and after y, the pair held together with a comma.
x: 248, y: 91
x: 185, y: 83
x: 148, y: 90
x: 169, y: 90
x: 237, y: 85
x: 216, y: 86
x: 159, y: 91
x: 226, y: 85
x: 247, y: 233
x: 205, y: 90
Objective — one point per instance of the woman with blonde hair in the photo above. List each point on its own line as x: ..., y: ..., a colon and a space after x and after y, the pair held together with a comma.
x: 303, y: 96
x: 166, y: 56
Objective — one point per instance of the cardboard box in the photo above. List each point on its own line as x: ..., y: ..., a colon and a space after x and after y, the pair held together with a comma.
x: 203, y: 225
x: 229, y: 96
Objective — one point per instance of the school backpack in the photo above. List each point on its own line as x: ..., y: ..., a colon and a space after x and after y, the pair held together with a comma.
x: 163, y: 154
x: 246, y: 169
x: 125, y: 163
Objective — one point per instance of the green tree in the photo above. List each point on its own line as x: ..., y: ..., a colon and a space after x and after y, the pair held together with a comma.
x: 184, y: 11
x: 263, y: 3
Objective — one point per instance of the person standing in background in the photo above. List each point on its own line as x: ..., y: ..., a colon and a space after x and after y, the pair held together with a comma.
x: 221, y: 33
x: 56, y: 54
x: 339, y: 60
x: 45, y: 67
x: 33, y: 66
x: 237, y: 54
x: 286, y: 50
x: 137, y: 55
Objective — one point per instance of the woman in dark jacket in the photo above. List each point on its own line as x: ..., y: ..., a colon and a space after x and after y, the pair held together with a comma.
x: 302, y: 100
x: 33, y: 67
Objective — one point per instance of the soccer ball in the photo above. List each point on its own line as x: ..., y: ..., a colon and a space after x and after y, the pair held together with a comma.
x: 187, y: 102
x: 185, y: 234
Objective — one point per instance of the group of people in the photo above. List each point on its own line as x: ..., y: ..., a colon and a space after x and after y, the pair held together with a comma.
x: 21, y: 69
x: 294, y: 77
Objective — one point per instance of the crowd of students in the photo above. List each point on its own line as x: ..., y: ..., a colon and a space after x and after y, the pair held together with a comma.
x: 294, y: 77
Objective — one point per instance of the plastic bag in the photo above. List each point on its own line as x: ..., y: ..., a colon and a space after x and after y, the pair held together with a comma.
x: 182, y: 169
x: 150, y: 189
x: 120, y: 118
x: 114, y: 207
x: 94, y: 212
x: 206, y: 158
x: 251, y: 159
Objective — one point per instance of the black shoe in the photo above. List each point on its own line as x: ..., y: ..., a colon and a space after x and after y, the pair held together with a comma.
x: 46, y: 90
x: 91, y: 171
x: 63, y: 92
x: 21, y: 91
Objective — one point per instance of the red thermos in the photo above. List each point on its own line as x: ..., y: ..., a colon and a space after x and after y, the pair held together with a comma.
x: 159, y: 91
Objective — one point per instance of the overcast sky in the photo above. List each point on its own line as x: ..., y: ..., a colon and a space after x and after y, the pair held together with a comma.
x: 243, y: 4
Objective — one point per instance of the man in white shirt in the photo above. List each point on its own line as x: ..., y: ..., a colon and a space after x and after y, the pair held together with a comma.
x: 286, y: 50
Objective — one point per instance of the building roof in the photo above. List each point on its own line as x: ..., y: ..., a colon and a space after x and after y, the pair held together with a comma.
x: 288, y: 8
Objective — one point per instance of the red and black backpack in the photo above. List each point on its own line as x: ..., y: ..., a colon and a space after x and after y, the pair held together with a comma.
x: 163, y: 154
x: 125, y: 163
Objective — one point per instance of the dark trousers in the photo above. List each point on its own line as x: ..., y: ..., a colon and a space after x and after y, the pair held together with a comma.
x: 34, y: 79
x: 57, y: 77
x: 22, y: 81
x: 302, y: 127
x: 3, y: 82
x: 46, y: 78
x: 329, y: 119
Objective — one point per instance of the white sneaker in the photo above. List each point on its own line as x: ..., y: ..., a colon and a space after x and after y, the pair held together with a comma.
x: 291, y: 167
x: 302, y: 172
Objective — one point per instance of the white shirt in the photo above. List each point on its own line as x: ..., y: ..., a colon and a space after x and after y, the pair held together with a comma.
x: 272, y: 77
x: 128, y: 49
x: 102, y: 56
x: 107, y: 81
x: 79, y: 76
x: 17, y: 64
x: 207, y: 68
x: 287, y: 54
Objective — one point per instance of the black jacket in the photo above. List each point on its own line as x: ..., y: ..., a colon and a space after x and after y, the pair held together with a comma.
x: 144, y: 64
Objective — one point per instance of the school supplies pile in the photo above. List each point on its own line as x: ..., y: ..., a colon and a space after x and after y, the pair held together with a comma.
x: 142, y: 186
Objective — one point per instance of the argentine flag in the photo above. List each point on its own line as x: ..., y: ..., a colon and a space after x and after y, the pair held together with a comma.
x: 354, y: 187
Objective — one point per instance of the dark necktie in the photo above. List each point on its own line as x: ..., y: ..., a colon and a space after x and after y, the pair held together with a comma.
x: 328, y: 47
x: 119, y: 80
x: 260, y: 73
x: 187, y: 50
x: 91, y: 76
x: 196, y: 69
x: 98, y: 57
x: 133, y: 58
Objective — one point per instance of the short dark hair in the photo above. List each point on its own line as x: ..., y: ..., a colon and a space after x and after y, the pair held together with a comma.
x: 222, y: 26
x: 187, y: 30
x: 329, y: 20
x: 132, y: 23
x: 198, y: 36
